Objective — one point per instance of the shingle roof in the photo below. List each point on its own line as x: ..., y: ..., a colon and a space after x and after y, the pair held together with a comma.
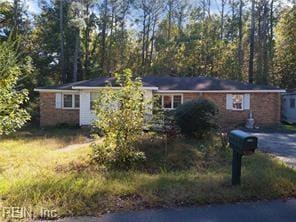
x: 202, y: 83
x: 171, y: 83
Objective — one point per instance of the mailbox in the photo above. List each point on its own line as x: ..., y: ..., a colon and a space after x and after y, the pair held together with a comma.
x: 241, y: 143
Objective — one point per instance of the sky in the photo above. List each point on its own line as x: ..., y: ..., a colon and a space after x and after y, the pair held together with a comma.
x: 33, y: 7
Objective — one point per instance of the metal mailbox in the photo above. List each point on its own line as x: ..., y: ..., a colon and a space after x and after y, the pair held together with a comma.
x: 241, y: 143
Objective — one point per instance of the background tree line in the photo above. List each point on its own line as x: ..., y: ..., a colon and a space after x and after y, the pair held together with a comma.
x: 250, y: 40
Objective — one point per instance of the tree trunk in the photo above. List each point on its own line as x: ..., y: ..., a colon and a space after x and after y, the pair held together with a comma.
x: 76, y: 56
x: 170, y: 4
x: 271, y: 40
x: 147, y: 38
x: 209, y: 8
x: 232, y: 18
x: 104, y: 33
x: 240, y: 40
x: 62, y: 56
x: 144, y: 38
x: 222, y: 19
x: 111, y: 40
x: 252, y: 33
x: 86, y: 44
x: 265, y: 68
x: 152, y: 39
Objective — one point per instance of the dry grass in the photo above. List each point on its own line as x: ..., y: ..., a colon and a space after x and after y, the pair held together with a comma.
x: 35, y: 174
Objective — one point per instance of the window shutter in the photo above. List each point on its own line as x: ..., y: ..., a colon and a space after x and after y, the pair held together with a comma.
x: 58, y: 100
x: 247, y: 101
x: 229, y: 101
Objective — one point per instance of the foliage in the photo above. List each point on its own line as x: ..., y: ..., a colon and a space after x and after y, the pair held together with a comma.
x: 162, y: 38
x: 196, y: 117
x: 285, y: 49
x: 12, y: 99
x: 120, y: 115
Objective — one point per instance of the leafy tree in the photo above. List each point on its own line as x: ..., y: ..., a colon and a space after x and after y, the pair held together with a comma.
x: 285, y: 70
x: 152, y: 37
x: 120, y: 115
x: 12, y: 99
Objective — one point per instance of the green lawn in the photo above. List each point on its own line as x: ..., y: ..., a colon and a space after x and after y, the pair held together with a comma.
x: 289, y: 126
x: 36, y: 173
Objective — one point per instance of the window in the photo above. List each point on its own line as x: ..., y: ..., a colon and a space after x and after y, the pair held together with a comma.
x: 292, y: 103
x: 71, y: 101
x: 170, y: 101
x: 177, y: 101
x: 167, y: 102
x: 68, y: 101
x: 93, y: 97
x: 77, y: 101
x: 237, y: 102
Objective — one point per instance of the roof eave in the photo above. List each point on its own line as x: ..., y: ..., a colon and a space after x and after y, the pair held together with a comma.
x: 54, y: 90
x: 75, y: 88
x: 102, y: 87
x: 224, y: 91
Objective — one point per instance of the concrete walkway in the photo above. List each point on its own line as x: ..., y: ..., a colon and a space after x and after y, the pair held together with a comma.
x: 264, y: 211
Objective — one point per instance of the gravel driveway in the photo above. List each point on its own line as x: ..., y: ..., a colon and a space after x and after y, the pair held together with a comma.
x: 282, y: 145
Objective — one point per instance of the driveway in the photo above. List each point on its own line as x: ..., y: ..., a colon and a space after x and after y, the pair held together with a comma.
x: 281, y: 144
x: 267, y: 211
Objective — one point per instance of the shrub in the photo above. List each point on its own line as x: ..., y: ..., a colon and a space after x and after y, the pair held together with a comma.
x: 120, y: 115
x: 197, y: 117
x: 12, y: 113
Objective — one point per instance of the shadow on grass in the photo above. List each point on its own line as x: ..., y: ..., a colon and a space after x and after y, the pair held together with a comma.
x: 59, y: 135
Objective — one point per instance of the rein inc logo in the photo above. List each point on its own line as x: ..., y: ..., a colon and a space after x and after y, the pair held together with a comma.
x: 27, y: 213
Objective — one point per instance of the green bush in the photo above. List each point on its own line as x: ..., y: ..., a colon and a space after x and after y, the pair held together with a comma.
x: 197, y: 117
x: 121, y: 118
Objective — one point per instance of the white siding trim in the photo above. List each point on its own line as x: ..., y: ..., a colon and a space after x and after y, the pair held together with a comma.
x: 246, y: 101
x: 86, y: 116
x: 58, y: 100
x: 229, y: 105
x: 148, y: 95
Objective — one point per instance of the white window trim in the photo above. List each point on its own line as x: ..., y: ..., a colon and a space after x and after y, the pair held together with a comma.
x: 235, y: 109
x: 73, y: 101
x: 172, y: 100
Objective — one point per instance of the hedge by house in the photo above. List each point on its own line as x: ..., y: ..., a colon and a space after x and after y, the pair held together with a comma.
x: 197, y: 117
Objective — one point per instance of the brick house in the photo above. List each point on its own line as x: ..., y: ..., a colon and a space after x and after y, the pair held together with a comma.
x: 71, y: 103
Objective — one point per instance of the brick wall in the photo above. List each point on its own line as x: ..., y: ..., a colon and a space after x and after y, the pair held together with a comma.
x: 265, y: 108
x: 50, y: 116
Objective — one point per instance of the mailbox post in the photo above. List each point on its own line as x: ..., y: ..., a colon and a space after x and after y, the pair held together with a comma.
x: 241, y: 143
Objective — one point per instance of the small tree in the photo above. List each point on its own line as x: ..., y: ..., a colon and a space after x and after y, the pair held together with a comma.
x: 12, y: 113
x: 120, y: 115
x: 196, y: 117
